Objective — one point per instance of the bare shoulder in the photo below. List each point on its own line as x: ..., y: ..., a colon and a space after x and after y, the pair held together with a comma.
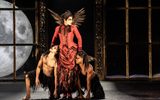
x: 90, y: 69
x: 42, y: 56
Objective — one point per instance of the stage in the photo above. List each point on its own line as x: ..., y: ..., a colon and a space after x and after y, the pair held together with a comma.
x: 114, y: 90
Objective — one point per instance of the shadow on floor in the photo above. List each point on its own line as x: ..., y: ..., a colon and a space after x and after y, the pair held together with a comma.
x: 140, y: 89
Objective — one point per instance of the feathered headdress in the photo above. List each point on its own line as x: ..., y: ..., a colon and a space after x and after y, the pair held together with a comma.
x: 78, y: 17
x: 57, y: 17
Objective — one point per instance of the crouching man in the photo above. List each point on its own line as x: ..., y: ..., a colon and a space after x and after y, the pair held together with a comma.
x: 45, y: 74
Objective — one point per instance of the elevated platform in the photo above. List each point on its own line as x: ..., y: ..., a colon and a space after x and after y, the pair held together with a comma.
x: 114, y: 90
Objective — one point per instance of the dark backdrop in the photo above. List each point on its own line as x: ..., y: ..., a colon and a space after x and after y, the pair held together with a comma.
x: 87, y: 27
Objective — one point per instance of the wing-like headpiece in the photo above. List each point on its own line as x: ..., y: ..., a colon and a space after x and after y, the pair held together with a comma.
x: 79, y: 17
x: 57, y: 17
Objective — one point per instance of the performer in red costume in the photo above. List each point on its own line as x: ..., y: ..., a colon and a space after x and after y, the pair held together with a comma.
x: 66, y: 31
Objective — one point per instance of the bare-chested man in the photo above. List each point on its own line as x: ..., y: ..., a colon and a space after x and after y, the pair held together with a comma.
x: 45, y: 74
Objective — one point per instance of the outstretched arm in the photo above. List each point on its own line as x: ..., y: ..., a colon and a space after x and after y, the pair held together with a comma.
x: 78, y: 35
x: 79, y: 88
x: 38, y: 69
x: 89, y: 78
x: 55, y: 80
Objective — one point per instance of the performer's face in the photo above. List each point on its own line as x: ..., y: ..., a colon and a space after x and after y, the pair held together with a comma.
x: 69, y: 21
x: 54, y: 49
x: 79, y: 59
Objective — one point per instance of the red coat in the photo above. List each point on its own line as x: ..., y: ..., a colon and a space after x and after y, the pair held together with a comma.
x: 67, y: 39
x: 68, y: 48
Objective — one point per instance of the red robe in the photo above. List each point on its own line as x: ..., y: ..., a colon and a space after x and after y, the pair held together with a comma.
x: 68, y: 51
x: 68, y: 48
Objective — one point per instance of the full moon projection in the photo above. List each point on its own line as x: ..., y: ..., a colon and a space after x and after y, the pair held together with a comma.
x: 23, y: 35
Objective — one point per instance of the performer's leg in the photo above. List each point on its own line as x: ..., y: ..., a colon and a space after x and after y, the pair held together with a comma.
x: 65, y: 89
x: 62, y: 82
x: 51, y: 89
x: 70, y: 83
x: 97, y: 89
x: 27, y: 83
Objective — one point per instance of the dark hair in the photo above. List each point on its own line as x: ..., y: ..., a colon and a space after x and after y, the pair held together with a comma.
x: 47, y: 52
x: 66, y: 14
x: 84, y: 55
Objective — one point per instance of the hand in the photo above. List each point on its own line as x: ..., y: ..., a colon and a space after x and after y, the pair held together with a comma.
x: 80, y: 97
x: 79, y: 48
x: 55, y: 94
x: 88, y: 96
x: 37, y: 83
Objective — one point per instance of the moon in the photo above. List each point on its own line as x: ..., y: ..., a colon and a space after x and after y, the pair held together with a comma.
x: 24, y: 35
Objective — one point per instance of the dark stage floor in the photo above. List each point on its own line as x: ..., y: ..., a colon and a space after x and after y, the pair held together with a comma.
x: 117, y: 90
